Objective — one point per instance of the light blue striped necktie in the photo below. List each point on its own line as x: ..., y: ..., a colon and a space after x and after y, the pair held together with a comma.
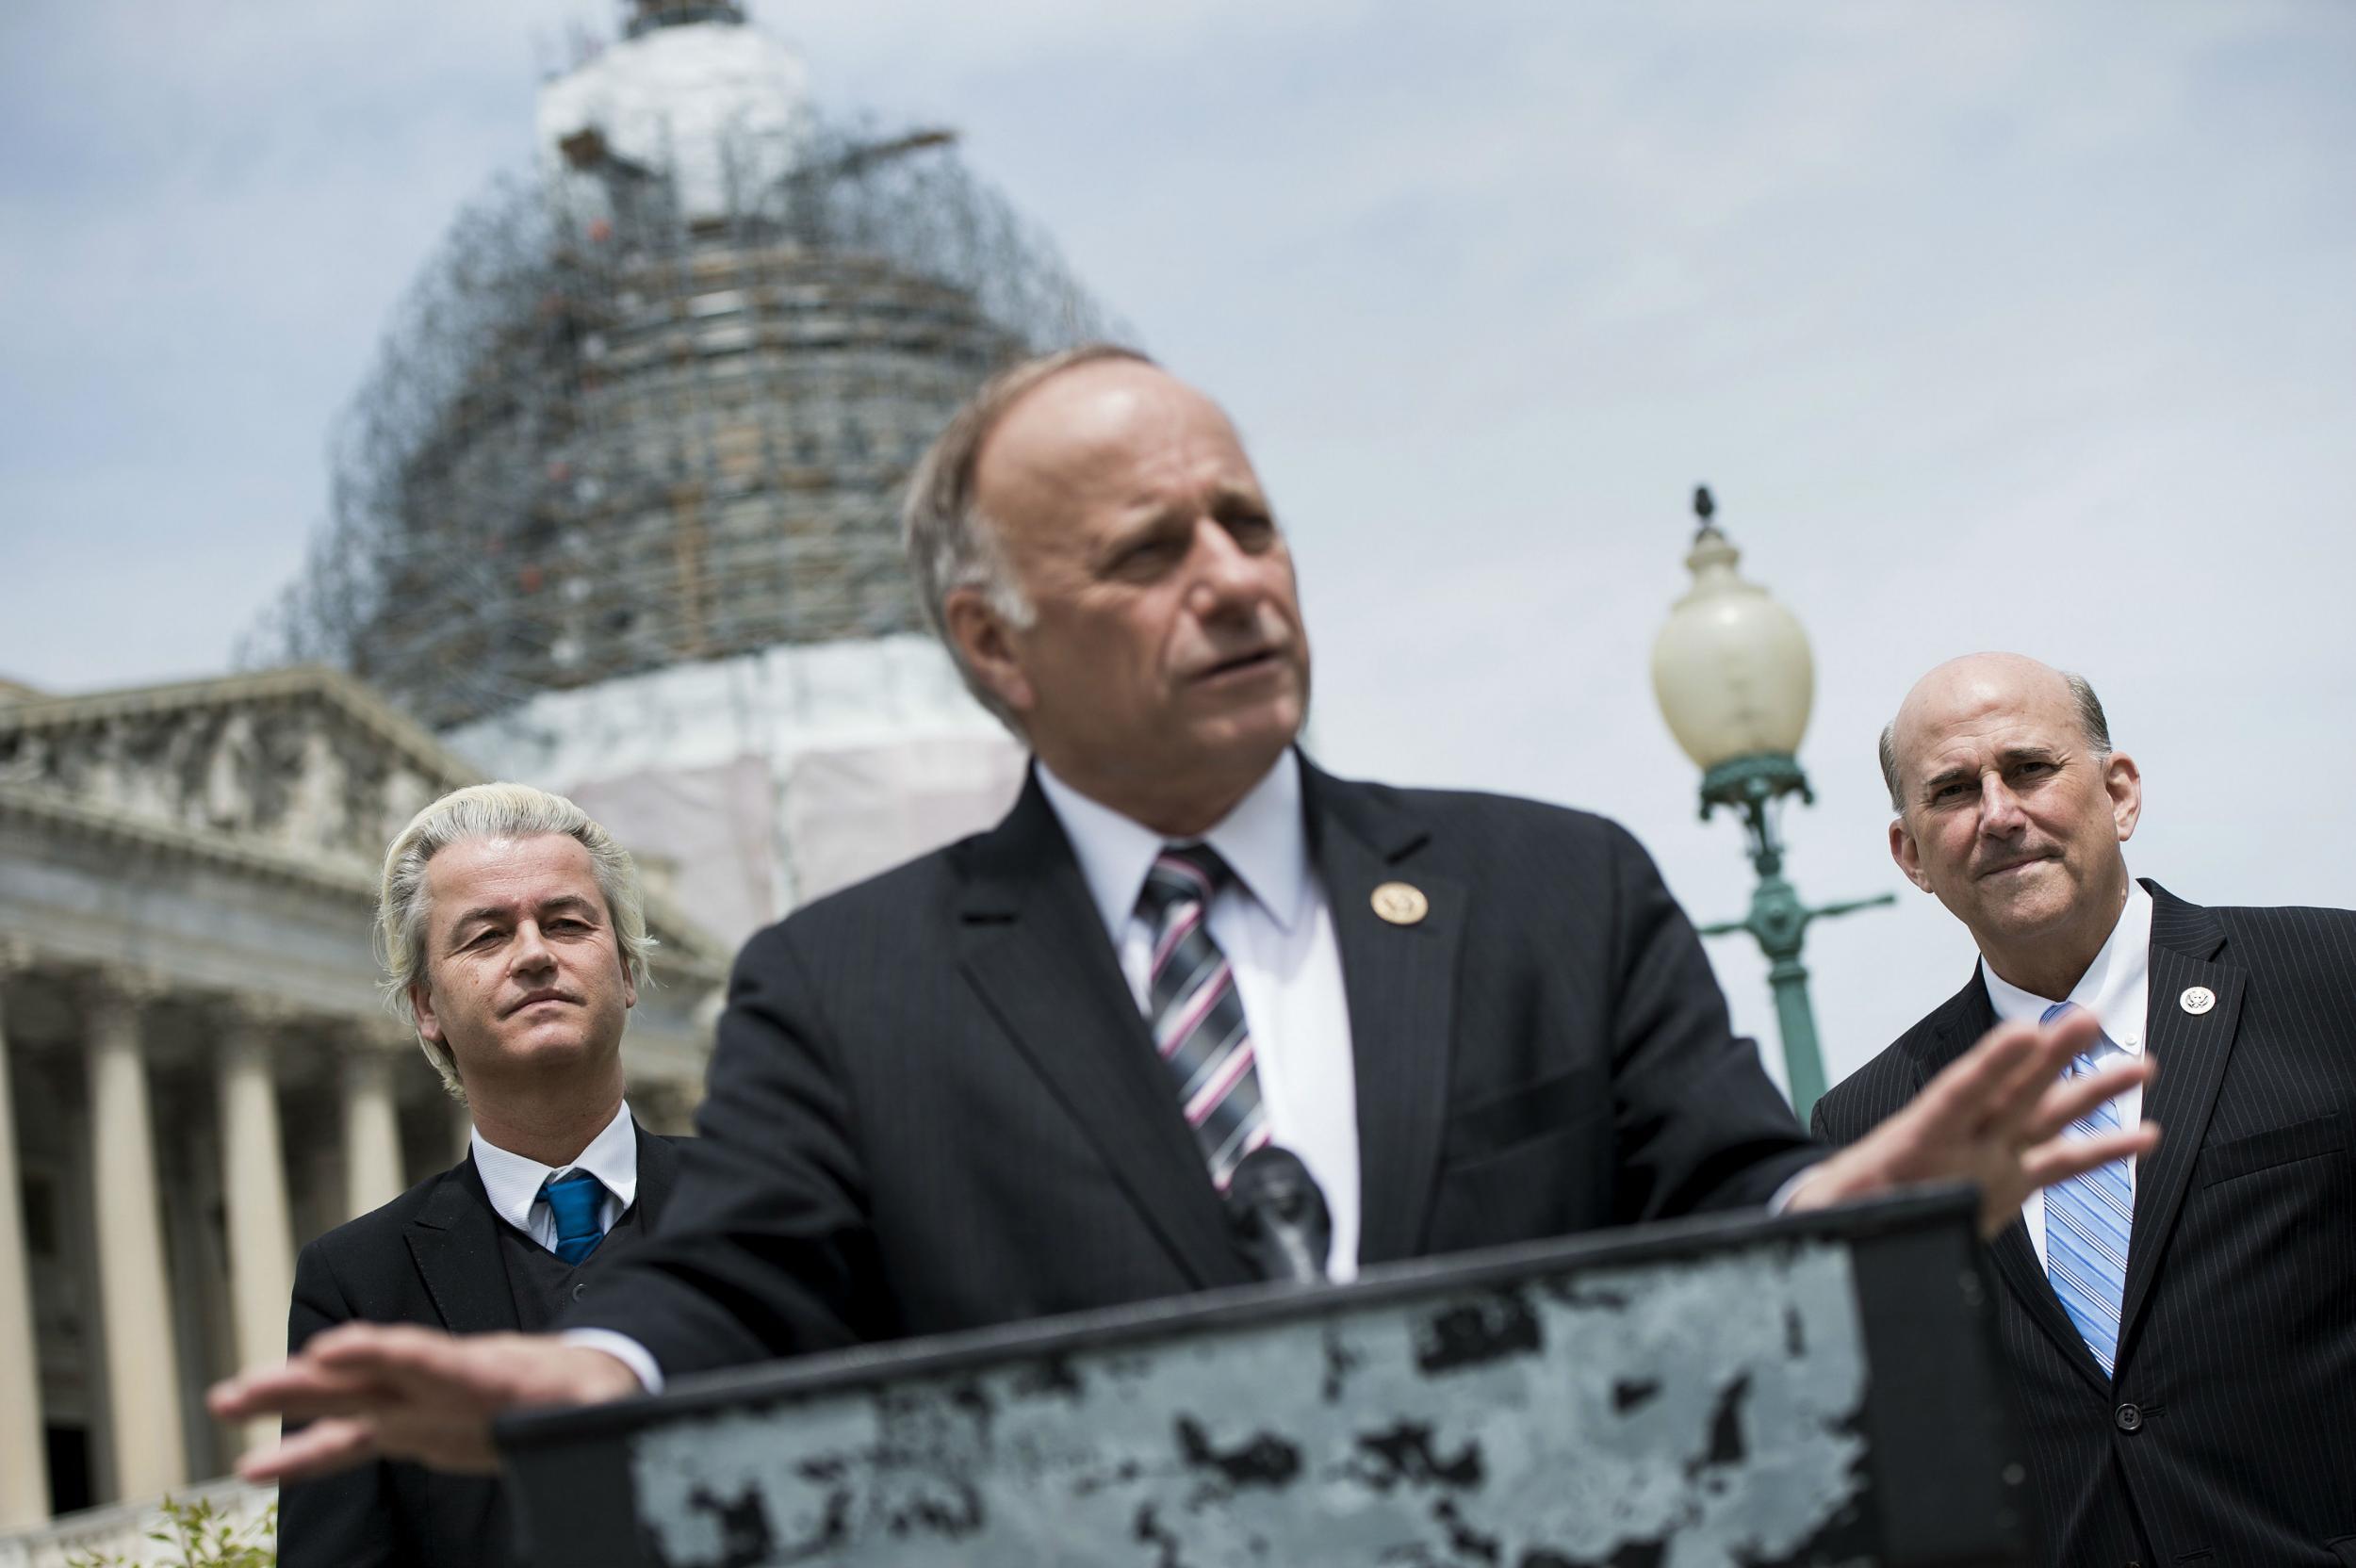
x: 2087, y: 1220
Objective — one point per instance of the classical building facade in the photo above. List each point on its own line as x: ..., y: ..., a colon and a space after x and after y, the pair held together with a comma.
x: 197, y: 1071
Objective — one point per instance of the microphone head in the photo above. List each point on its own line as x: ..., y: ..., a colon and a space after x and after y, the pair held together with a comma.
x: 1278, y: 1215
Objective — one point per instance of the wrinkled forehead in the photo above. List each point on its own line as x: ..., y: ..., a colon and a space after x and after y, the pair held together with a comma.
x: 1108, y: 432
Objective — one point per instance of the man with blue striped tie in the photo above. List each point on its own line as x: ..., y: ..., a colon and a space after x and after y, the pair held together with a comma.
x: 2181, y: 1325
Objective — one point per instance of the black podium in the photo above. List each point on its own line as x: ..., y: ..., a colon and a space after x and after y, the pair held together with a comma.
x: 1821, y: 1389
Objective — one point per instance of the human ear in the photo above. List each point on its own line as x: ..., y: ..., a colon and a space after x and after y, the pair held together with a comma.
x: 984, y: 644
x: 421, y: 1009
x: 2125, y: 782
x: 1908, y: 854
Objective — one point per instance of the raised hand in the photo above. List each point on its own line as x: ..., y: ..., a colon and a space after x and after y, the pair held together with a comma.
x: 1995, y: 1116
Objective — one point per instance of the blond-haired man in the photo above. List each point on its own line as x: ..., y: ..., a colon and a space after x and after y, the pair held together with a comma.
x: 514, y: 940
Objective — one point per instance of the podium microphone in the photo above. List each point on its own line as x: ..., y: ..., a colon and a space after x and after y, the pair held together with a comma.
x: 1278, y: 1216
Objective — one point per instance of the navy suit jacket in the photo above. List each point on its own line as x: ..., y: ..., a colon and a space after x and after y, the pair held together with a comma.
x: 2228, y: 1433
x: 934, y: 1104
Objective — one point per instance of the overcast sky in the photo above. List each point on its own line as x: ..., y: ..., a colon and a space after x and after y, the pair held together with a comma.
x: 2026, y: 326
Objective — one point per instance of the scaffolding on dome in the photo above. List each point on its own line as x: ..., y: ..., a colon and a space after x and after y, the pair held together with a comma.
x: 606, y: 435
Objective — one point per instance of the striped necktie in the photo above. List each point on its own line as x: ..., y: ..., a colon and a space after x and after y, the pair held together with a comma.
x: 2087, y: 1220
x: 575, y: 1201
x: 1195, y: 1013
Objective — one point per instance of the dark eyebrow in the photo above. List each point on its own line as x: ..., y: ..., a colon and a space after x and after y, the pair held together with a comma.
x: 2010, y: 757
x: 1939, y: 780
x: 476, y: 917
x: 563, y: 904
x: 1231, y: 499
x: 573, y: 903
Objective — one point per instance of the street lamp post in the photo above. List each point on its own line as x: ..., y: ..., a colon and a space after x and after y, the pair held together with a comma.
x: 1733, y: 677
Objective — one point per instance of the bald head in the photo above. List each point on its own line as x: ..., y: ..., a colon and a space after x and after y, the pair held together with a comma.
x: 1141, y: 629
x: 2012, y: 807
x: 1998, y: 676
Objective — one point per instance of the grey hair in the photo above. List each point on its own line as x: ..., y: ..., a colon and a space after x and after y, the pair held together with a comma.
x: 492, y: 811
x: 2094, y: 727
x: 950, y: 544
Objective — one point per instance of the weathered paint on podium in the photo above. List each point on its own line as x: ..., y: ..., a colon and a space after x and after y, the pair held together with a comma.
x: 1700, y: 1415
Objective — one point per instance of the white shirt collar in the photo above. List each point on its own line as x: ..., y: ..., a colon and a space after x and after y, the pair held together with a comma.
x: 513, y: 1181
x: 2113, y: 988
x: 1263, y: 839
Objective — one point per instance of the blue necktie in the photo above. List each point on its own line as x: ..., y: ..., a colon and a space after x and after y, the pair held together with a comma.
x: 2087, y: 1224
x: 575, y: 1201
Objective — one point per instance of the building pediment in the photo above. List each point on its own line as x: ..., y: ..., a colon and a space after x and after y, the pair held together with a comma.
x: 299, y: 762
x: 299, y: 773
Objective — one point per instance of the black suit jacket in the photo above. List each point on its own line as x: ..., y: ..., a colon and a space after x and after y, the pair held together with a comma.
x: 2228, y: 1433
x: 934, y: 1104
x: 430, y: 1256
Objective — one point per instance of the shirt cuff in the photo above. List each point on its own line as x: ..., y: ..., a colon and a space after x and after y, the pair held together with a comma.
x: 622, y: 1348
x: 1776, y: 1205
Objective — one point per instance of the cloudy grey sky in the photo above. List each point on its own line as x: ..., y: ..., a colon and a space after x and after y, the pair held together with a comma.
x: 2019, y: 325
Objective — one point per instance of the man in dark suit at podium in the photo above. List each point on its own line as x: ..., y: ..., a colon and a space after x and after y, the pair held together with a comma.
x: 2183, y: 1326
x: 511, y: 929
x: 1027, y: 1073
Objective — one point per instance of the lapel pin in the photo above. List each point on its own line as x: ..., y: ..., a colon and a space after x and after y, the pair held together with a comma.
x: 1401, y: 903
x: 2196, y: 1000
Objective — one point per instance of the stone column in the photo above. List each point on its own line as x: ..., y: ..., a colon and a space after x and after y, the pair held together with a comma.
x: 23, y: 1458
x: 372, y: 1127
x: 253, y: 1192
x: 142, y: 1365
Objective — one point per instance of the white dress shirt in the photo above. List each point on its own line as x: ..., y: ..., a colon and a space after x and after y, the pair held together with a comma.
x: 513, y: 1181
x: 1275, y: 925
x: 2113, y: 990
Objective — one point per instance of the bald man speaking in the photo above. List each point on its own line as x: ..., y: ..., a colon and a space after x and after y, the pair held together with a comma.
x: 2182, y: 1326
x: 1030, y: 1073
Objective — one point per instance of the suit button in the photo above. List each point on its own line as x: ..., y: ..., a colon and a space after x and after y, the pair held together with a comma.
x: 2129, y: 1417
x: 580, y: 1288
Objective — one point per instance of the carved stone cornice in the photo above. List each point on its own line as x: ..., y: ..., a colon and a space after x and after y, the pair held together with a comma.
x: 297, y: 777
x: 302, y: 762
x: 448, y: 769
x: 684, y: 953
x: 172, y: 841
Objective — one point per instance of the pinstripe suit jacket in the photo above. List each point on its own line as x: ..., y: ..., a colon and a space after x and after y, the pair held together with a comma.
x: 2228, y: 1435
x: 934, y: 1104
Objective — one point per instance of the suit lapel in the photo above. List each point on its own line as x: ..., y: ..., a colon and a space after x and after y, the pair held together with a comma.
x: 1399, y: 984
x: 2191, y: 1051
x: 1034, y: 948
x: 1956, y: 1027
x: 455, y: 1243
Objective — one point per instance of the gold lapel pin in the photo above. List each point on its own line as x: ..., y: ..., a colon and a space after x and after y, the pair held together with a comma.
x: 1401, y: 903
x: 2196, y: 1000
